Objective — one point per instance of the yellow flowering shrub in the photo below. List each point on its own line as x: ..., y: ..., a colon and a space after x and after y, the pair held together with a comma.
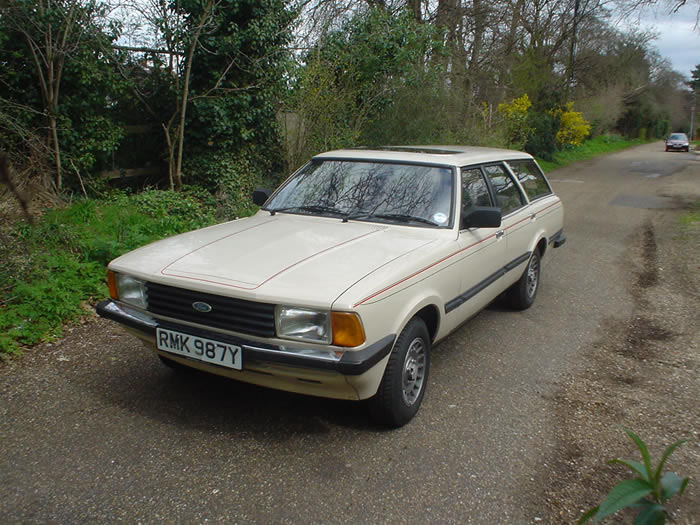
x: 515, y: 115
x: 573, y: 128
x: 516, y: 109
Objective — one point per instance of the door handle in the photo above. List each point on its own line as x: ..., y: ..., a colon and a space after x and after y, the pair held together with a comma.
x: 533, y: 216
x: 499, y: 234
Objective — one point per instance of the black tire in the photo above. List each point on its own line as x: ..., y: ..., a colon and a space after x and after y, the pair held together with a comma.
x: 405, y: 378
x: 522, y: 294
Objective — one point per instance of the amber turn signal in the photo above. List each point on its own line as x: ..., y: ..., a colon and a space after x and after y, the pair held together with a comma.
x: 347, y: 329
x: 112, y: 284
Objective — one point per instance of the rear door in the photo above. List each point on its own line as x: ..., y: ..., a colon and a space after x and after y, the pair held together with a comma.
x: 544, y: 206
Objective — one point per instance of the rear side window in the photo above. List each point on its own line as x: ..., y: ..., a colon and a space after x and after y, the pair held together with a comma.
x: 508, y: 196
x: 531, y: 178
x: 475, y: 192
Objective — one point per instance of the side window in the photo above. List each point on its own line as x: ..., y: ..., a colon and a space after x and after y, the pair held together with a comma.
x: 475, y: 192
x: 531, y: 178
x: 508, y: 196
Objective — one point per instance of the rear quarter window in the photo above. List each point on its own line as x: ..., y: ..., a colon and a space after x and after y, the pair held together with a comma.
x: 531, y: 178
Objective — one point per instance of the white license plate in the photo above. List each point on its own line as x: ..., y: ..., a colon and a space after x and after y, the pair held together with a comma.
x: 200, y: 348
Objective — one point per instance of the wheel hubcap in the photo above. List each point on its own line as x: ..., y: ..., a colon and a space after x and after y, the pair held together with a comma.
x: 413, y: 371
x: 533, y: 272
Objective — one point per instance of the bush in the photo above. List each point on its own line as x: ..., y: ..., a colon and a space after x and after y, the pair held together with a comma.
x: 573, y: 128
x: 233, y: 179
x: 57, y: 265
x: 542, y: 142
x: 518, y: 121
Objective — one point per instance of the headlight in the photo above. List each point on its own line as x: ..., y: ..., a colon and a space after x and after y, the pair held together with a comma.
x: 317, y: 326
x: 303, y: 324
x: 127, y: 289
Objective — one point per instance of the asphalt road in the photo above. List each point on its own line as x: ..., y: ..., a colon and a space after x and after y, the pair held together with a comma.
x: 95, y: 429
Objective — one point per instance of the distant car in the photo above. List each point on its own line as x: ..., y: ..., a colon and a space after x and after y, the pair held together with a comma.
x: 349, y: 273
x: 677, y: 142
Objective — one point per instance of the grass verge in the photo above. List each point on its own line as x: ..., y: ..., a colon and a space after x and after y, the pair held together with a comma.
x: 55, y: 268
x: 591, y: 148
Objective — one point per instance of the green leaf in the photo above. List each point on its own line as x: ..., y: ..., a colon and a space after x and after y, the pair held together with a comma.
x: 651, y: 514
x: 671, y: 484
x: 669, y: 450
x: 623, y: 495
x: 636, y: 466
x: 588, y: 515
x: 642, y: 449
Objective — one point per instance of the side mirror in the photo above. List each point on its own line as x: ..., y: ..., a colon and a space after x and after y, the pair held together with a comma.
x: 260, y: 195
x: 481, y: 217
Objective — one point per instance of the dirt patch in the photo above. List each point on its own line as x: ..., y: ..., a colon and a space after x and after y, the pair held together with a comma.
x: 642, y: 373
x: 649, y: 276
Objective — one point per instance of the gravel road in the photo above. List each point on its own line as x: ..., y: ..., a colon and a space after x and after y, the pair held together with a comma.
x: 94, y: 429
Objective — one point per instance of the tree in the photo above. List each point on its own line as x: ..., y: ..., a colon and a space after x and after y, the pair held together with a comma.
x: 695, y: 78
x: 225, y: 73
x: 59, y: 38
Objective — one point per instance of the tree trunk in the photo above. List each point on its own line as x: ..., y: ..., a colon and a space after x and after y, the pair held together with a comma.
x: 414, y: 6
x: 185, y: 94
x: 56, y: 148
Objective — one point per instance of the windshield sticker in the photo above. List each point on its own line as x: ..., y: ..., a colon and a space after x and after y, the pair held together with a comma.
x: 440, y: 218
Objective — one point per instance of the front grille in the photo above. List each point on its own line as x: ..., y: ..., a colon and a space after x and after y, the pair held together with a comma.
x: 236, y: 315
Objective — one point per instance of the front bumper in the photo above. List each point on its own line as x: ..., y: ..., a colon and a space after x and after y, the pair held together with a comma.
x: 351, y: 363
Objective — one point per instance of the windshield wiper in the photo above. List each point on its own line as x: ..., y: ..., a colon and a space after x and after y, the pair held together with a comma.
x: 315, y: 208
x: 401, y: 217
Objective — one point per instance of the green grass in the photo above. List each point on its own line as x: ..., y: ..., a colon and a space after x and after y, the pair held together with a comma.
x: 55, y: 268
x: 591, y: 148
x: 691, y: 219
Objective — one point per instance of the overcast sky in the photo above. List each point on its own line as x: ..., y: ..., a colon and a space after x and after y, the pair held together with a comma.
x: 678, y: 40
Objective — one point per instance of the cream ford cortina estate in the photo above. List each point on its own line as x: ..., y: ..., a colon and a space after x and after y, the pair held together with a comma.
x: 352, y: 270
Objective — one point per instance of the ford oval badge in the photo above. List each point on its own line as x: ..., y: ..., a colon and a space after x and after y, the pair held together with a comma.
x: 201, y: 307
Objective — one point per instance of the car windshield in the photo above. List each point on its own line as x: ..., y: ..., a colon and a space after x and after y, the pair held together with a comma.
x: 678, y: 136
x: 372, y: 191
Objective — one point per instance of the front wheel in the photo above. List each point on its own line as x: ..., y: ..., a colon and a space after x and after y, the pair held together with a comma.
x: 405, y: 377
x: 522, y: 294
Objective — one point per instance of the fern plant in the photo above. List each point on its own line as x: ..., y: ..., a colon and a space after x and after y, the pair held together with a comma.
x: 648, y: 491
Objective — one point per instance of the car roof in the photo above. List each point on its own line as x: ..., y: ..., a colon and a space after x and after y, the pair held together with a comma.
x: 440, y: 155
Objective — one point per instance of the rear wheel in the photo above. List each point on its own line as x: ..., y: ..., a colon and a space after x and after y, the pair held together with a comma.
x: 522, y: 294
x: 405, y: 378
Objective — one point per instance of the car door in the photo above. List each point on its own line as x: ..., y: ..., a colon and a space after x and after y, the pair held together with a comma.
x: 544, y: 206
x: 516, y: 219
x: 482, y: 252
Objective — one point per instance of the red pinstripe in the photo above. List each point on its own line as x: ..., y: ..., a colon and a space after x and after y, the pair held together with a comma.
x: 444, y: 259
